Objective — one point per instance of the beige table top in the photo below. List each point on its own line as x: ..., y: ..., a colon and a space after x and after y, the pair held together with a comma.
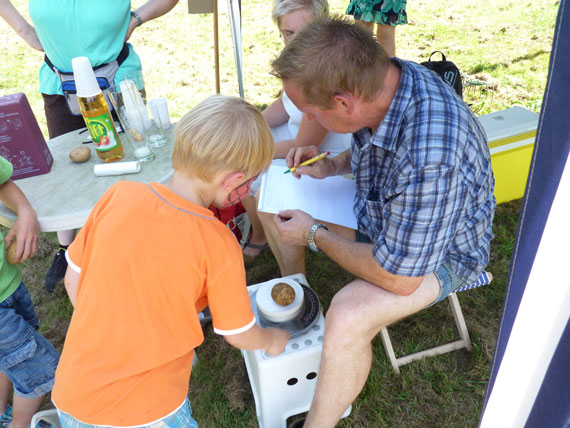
x: 65, y: 196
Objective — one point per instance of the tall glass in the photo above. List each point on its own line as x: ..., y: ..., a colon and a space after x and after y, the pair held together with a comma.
x: 132, y: 114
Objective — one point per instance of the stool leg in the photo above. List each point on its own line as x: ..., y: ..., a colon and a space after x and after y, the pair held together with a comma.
x: 389, y: 349
x: 459, y: 320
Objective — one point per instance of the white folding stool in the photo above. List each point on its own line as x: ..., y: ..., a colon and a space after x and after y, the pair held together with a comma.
x: 465, y: 342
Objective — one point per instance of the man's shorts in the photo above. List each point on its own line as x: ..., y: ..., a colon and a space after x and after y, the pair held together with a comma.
x: 26, y: 357
x: 181, y: 418
x: 448, y: 281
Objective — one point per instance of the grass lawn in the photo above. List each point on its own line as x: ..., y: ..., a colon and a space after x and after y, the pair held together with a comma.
x: 504, y: 43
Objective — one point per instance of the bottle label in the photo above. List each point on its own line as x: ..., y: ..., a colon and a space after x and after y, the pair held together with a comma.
x: 102, y: 132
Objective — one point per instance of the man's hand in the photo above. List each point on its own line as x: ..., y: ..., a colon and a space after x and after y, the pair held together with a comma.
x: 293, y: 226
x: 279, y: 339
x: 320, y: 169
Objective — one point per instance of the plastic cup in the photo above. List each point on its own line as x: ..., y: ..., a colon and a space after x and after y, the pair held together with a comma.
x: 159, y: 109
x: 155, y: 130
x: 134, y: 119
x: 85, y: 80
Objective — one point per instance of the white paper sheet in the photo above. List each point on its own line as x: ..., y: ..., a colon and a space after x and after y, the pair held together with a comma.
x: 330, y: 199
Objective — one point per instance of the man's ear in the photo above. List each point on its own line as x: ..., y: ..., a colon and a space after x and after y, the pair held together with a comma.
x: 345, y: 100
x: 232, y: 179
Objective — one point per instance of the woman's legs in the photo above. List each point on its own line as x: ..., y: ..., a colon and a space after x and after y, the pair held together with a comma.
x: 385, y: 34
x: 257, y: 241
x: 59, y: 121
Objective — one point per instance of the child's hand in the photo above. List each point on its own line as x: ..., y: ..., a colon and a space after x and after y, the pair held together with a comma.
x: 278, y: 341
x: 26, y: 232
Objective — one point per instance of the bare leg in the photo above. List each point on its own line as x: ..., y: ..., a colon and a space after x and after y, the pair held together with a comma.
x: 356, y: 315
x: 65, y: 237
x: 367, y: 25
x: 290, y: 259
x: 386, y: 35
x: 257, y: 236
x: 24, y: 410
x: 5, y: 388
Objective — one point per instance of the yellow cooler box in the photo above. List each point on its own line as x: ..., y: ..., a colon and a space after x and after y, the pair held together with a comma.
x: 511, y: 135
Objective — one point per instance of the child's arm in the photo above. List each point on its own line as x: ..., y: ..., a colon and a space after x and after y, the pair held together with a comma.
x: 272, y: 340
x: 311, y: 133
x: 71, y: 281
x: 275, y: 114
x: 26, y: 228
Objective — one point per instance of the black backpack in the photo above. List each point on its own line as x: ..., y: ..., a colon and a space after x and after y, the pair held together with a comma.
x: 447, y: 70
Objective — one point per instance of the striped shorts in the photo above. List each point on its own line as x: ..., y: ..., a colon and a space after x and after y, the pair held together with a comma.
x: 181, y: 418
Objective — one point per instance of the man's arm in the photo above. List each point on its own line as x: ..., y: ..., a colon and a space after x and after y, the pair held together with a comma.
x: 26, y: 228
x: 355, y: 257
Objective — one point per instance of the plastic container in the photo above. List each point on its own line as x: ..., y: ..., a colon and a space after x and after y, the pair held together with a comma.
x: 274, y: 312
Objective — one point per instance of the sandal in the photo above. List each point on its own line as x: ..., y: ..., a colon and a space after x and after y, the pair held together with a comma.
x: 250, y: 259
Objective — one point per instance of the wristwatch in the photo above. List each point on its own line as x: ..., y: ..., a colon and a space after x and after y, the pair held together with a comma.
x: 311, y: 238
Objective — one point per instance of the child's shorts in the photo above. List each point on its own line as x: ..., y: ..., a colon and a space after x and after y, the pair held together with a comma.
x: 181, y: 418
x: 26, y: 357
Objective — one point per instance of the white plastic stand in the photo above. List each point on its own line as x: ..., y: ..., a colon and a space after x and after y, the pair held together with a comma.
x: 284, y: 386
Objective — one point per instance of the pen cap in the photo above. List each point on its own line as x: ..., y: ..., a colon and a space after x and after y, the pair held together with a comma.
x: 85, y: 80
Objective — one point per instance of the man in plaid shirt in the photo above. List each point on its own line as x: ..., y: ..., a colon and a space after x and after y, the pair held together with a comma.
x: 424, y: 201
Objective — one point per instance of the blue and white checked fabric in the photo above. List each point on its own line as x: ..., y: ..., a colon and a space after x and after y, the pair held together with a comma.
x: 484, y: 279
x: 424, y: 181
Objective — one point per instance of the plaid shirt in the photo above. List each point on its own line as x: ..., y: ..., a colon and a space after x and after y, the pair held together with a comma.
x: 424, y: 181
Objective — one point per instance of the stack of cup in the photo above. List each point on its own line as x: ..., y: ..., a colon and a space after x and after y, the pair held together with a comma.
x: 134, y: 118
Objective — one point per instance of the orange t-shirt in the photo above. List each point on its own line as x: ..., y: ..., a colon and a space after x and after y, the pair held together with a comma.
x: 149, y: 262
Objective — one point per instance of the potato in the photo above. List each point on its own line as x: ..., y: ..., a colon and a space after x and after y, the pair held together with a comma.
x: 80, y: 154
x: 11, y: 253
x: 283, y: 294
x: 136, y: 134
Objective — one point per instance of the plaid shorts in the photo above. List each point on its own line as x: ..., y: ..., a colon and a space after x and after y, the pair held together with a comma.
x: 181, y: 418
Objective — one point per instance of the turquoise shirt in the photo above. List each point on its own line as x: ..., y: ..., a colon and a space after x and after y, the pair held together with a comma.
x: 10, y: 275
x: 92, y: 28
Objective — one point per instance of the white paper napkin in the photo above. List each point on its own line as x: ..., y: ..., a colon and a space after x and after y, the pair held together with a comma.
x: 117, y: 168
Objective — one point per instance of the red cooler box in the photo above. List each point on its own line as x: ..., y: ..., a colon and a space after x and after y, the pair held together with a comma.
x: 21, y: 140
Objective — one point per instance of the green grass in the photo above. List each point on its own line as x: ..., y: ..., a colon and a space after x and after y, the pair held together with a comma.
x: 504, y: 43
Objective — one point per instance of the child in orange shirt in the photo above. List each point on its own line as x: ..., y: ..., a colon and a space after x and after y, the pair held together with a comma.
x: 149, y: 259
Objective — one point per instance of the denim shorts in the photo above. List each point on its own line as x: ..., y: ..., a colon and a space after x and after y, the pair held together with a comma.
x: 448, y: 281
x: 181, y: 418
x: 26, y: 357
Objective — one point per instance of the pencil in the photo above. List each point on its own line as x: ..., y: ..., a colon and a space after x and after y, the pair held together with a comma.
x: 308, y: 162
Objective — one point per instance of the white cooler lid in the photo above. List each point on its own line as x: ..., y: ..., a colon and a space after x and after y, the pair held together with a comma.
x: 509, y: 122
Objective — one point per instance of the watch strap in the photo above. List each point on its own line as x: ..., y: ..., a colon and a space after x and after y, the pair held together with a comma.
x: 311, y: 237
x: 137, y: 17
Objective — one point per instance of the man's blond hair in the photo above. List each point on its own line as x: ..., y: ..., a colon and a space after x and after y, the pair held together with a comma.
x: 222, y: 133
x: 331, y: 56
